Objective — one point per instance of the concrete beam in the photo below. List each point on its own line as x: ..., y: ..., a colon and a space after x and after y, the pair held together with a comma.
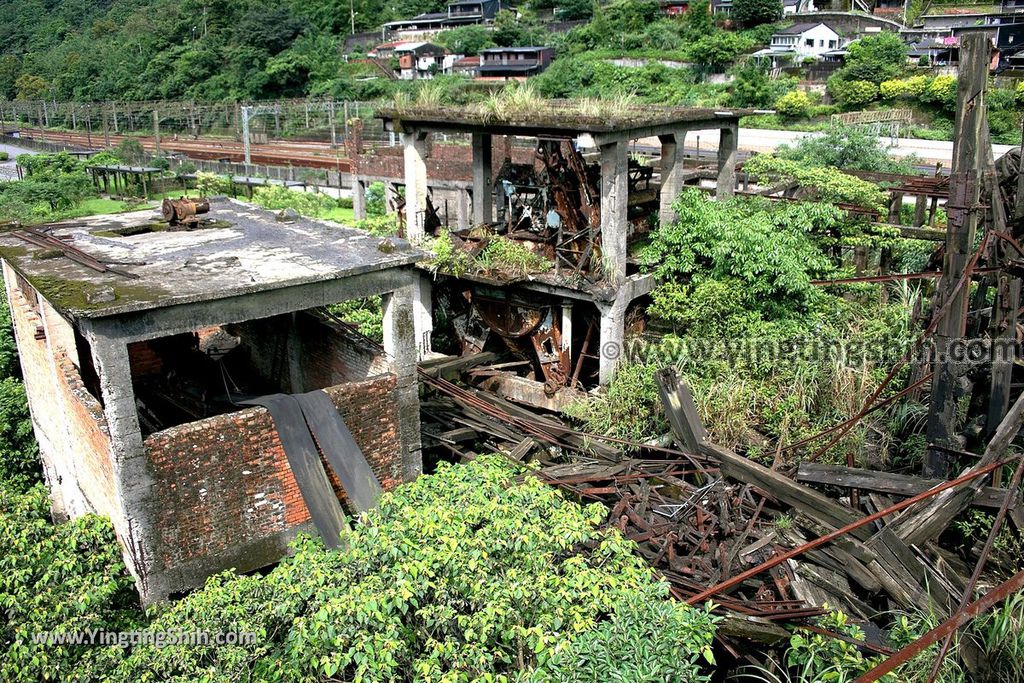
x: 415, y: 147
x: 727, y: 144
x: 483, y: 179
x: 188, y: 317
x: 671, y: 174
x: 614, y: 205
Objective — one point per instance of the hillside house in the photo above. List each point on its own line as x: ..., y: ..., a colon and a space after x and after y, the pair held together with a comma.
x: 419, y: 60
x: 514, y: 62
x: 801, y: 41
x: 458, y: 13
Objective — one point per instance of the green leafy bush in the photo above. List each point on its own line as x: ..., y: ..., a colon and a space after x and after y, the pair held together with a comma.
x: 754, y: 12
x: 19, y: 457
x: 511, y: 258
x: 366, y: 314
x: 848, y: 148
x: 468, y: 574
x: 830, y: 184
x: 794, y: 104
x: 52, y: 183
x: 851, y: 94
x: 209, y: 184
x: 277, y: 197
x: 58, y: 578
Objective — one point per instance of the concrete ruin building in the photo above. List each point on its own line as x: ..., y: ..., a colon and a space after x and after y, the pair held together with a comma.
x: 567, y: 184
x: 142, y: 345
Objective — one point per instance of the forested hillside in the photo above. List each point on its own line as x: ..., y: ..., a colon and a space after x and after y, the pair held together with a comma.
x: 203, y: 49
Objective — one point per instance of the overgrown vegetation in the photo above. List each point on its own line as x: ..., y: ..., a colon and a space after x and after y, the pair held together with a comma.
x: 771, y: 356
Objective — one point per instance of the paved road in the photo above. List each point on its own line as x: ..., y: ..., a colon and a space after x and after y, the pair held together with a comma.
x: 7, y: 168
x: 761, y: 140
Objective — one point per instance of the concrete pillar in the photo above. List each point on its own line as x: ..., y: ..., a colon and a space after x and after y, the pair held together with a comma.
x: 132, y: 481
x: 671, y: 174
x: 461, y: 208
x: 483, y: 179
x: 611, y: 348
x: 614, y: 204
x: 567, y: 328
x: 359, y: 198
x: 400, y: 345
x: 415, y: 148
x: 727, y: 161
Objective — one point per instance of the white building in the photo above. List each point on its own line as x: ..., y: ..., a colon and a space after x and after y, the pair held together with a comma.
x: 804, y: 40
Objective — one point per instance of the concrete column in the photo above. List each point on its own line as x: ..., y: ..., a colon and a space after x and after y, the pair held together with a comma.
x: 483, y: 179
x: 727, y: 161
x: 462, y: 208
x: 614, y: 204
x: 132, y: 481
x: 414, y: 145
x: 567, y: 328
x: 671, y: 174
x: 611, y: 348
x: 400, y: 345
x: 359, y: 198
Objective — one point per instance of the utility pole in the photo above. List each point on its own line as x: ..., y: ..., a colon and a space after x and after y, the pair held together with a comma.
x: 246, y: 112
x: 106, y: 126
x: 969, y: 139
x: 156, y: 132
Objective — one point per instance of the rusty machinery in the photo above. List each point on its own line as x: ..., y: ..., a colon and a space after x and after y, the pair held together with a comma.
x: 184, y: 212
x: 528, y: 328
x: 557, y: 201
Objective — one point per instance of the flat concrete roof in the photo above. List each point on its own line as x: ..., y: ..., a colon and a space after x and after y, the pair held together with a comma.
x: 556, y: 118
x: 242, y: 250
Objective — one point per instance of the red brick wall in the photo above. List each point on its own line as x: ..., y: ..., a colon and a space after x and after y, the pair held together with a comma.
x: 225, y: 481
x: 69, y: 421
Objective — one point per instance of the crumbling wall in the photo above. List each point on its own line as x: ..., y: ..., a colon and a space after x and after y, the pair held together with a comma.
x: 70, y: 427
x: 225, y: 492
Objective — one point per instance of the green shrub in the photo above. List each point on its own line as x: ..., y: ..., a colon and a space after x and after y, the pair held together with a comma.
x: 58, y: 578
x: 277, y: 197
x: 794, y: 105
x: 849, y: 94
x: 467, y: 574
x: 208, y: 184
x: 848, y: 148
x: 511, y: 258
x: 366, y: 314
x: 4, y: 156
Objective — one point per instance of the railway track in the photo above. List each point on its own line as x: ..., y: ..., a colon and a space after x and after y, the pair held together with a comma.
x: 305, y: 154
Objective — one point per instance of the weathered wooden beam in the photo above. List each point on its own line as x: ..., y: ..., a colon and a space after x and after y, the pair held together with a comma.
x: 689, y: 430
x: 928, y: 520
x: 888, y: 482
